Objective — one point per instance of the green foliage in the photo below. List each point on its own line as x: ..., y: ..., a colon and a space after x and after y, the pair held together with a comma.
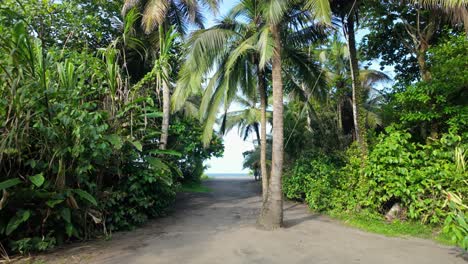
x: 194, y: 187
x: 377, y: 224
x: 312, y: 179
x: 456, y: 223
x: 186, y: 138
x: 79, y: 150
x: 439, y: 105
x: 413, y: 175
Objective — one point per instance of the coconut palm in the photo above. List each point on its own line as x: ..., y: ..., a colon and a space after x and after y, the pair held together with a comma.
x: 334, y: 58
x: 178, y: 13
x: 347, y: 12
x: 240, y: 50
x: 162, y: 17
x: 275, y: 12
x: 247, y: 120
x: 456, y: 9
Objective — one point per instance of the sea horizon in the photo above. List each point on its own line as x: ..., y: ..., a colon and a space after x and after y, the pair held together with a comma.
x: 228, y: 175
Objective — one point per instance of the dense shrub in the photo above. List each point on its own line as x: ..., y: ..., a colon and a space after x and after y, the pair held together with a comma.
x: 312, y: 179
x: 79, y: 154
x: 414, y: 175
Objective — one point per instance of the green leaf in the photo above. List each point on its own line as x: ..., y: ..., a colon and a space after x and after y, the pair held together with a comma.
x: 153, y: 115
x: 53, y: 203
x: 157, y: 163
x: 15, y: 221
x: 115, y: 140
x: 9, y: 183
x: 66, y: 214
x: 69, y: 229
x: 85, y: 196
x: 165, y: 152
x: 137, y: 145
x: 37, y: 179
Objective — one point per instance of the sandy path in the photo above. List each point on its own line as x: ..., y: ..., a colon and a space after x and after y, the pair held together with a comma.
x: 219, y: 227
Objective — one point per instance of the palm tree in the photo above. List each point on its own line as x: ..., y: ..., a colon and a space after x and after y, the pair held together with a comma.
x: 456, y: 9
x: 178, y: 13
x: 247, y: 120
x: 231, y: 45
x: 162, y: 69
x: 238, y: 52
x: 275, y: 11
x: 158, y: 16
x: 347, y: 11
x: 334, y: 58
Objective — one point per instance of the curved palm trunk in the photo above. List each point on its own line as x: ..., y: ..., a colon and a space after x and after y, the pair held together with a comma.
x: 271, y: 216
x: 263, y: 122
x: 358, y: 119
x: 166, y: 115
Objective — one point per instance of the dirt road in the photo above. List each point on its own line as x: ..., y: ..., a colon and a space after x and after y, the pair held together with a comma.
x: 219, y: 227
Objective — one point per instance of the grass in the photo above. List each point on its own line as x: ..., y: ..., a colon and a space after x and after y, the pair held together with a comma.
x: 194, y: 187
x: 378, y: 225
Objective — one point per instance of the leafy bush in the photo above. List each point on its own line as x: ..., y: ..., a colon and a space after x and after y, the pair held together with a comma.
x: 456, y: 223
x: 413, y: 174
x: 312, y: 179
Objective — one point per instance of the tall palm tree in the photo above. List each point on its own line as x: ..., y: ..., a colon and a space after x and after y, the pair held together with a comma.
x: 275, y: 12
x: 162, y: 16
x: 236, y: 52
x: 347, y: 11
x: 162, y: 69
x: 335, y: 58
x: 231, y: 47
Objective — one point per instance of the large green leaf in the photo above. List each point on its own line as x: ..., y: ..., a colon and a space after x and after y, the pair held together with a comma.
x: 66, y: 214
x: 20, y: 217
x: 9, y: 183
x: 37, y: 179
x: 157, y: 163
x: 69, y: 229
x: 85, y: 196
x: 115, y: 140
x: 137, y: 145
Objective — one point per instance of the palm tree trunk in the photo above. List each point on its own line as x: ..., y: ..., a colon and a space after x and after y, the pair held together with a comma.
x: 263, y: 134
x: 166, y: 115
x: 358, y: 119
x: 271, y: 216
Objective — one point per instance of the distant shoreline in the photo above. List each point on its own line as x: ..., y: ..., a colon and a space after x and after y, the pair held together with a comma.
x: 228, y: 175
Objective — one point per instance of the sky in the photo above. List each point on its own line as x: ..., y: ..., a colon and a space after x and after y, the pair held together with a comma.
x: 234, y: 146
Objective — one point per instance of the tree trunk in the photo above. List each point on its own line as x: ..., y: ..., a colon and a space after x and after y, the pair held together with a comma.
x: 166, y: 115
x: 358, y: 119
x: 421, y: 56
x: 263, y: 134
x: 271, y: 216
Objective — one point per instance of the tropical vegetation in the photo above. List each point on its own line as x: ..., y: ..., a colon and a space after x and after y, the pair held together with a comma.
x: 108, y: 107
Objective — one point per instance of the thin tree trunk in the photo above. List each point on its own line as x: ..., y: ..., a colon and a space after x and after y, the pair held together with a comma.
x: 421, y: 56
x: 358, y: 119
x: 166, y: 116
x: 339, y: 121
x: 271, y: 216
x: 263, y: 134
